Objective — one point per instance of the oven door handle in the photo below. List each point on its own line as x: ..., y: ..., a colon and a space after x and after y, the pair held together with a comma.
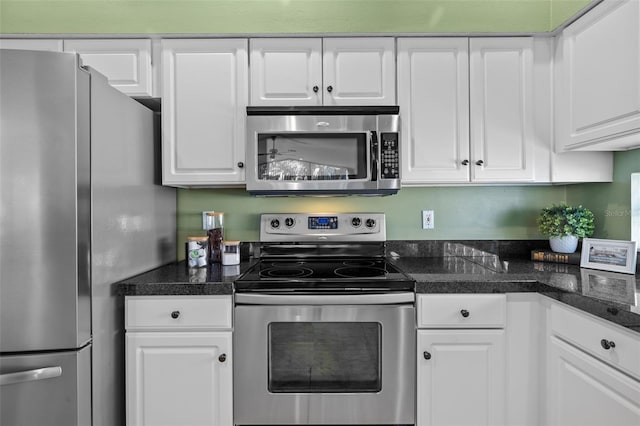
x: 325, y: 299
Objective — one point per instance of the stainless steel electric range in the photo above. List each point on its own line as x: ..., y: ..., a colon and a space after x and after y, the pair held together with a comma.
x: 324, y: 326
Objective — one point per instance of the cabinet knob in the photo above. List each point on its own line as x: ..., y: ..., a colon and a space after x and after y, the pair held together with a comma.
x: 607, y: 344
x: 479, y: 163
x: 175, y: 314
x: 426, y: 355
x: 464, y: 313
x: 465, y: 162
x: 329, y: 89
x: 315, y: 89
x: 240, y: 164
x: 222, y: 358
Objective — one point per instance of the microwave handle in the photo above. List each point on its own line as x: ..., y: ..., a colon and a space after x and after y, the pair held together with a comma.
x: 374, y: 155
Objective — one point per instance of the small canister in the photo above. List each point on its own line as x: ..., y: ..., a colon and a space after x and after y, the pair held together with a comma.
x: 197, y: 251
x: 214, y: 224
x: 230, y: 252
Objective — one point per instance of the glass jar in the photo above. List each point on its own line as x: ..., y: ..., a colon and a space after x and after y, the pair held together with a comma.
x: 197, y: 251
x: 214, y: 222
x: 230, y: 252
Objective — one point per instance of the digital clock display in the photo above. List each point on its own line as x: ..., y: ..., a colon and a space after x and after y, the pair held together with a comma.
x: 323, y: 222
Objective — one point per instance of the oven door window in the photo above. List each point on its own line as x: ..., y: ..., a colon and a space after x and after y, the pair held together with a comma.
x: 317, y: 357
x: 312, y: 156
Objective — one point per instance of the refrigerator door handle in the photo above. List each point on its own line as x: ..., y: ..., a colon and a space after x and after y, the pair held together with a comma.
x: 30, y: 375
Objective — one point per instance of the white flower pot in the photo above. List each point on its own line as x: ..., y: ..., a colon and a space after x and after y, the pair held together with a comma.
x: 566, y: 244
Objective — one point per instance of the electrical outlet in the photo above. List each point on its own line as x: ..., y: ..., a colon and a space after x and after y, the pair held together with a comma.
x: 427, y: 219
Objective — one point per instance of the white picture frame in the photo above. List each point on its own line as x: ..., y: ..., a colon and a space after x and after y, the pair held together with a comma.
x: 609, y: 255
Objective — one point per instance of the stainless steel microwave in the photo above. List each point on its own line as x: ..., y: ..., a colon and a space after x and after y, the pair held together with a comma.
x: 323, y: 150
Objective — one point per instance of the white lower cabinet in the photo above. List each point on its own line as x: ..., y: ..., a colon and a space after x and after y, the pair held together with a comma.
x: 179, y: 378
x: 461, y: 377
x: 584, y: 391
x: 460, y: 371
x: 179, y: 368
x: 593, y: 371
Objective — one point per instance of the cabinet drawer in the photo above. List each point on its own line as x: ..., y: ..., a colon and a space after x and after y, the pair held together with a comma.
x: 462, y: 310
x: 177, y: 312
x: 589, y: 332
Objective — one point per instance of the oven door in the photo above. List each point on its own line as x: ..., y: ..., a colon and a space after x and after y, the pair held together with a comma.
x: 315, y: 360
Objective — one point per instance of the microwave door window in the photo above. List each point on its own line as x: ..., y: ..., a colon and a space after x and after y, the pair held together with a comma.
x: 312, y: 156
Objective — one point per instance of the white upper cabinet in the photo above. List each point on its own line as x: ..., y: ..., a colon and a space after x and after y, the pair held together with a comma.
x: 501, y: 105
x: 286, y: 71
x: 467, y: 109
x: 49, y: 44
x: 433, y: 94
x: 598, y: 79
x: 125, y: 62
x: 315, y: 71
x: 359, y: 71
x: 205, y: 94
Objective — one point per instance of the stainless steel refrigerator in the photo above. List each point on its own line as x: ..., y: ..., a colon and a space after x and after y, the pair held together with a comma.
x: 81, y: 208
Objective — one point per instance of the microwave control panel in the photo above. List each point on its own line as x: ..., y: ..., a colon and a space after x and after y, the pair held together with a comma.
x: 389, y: 156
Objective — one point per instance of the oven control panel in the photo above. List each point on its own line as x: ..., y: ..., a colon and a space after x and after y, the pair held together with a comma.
x: 323, y: 222
x: 292, y: 227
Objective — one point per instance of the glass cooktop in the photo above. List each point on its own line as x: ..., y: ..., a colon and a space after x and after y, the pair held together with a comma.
x: 330, y: 274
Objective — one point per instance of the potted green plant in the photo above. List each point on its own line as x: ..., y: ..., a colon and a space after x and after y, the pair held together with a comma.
x: 564, y: 224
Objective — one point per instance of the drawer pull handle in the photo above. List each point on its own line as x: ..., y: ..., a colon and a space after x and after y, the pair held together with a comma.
x: 175, y: 314
x: 426, y: 355
x: 222, y: 358
x: 464, y: 313
x: 607, y: 344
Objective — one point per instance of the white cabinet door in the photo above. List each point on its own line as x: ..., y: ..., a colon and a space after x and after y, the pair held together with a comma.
x: 53, y: 45
x: 286, y: 71
x: 205, y: 94
x: 359, y: 71
x: 501, y: 109
x: 179, y: 379
x: 433, y: 95
x: 598, y: 79
x: 461, y: 377
x: 125, y: 62
x: 584, y: 391
x: 315, y: 71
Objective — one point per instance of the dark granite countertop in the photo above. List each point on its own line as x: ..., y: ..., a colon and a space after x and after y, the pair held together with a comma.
x: 612, y: 296
x: 176, y: 279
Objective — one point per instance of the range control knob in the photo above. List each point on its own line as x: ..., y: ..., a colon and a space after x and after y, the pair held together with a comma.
x: 289, y: 222
x: 370, y: 223
x: 275, y: 223
x: 356, y: 222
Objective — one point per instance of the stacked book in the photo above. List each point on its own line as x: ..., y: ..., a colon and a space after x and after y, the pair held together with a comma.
x: 550, y: 256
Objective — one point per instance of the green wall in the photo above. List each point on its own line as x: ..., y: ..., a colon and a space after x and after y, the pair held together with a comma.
x: 499, y: 212
x: 473, y: 212
x: 283, y: 16
x: 610, y: 202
